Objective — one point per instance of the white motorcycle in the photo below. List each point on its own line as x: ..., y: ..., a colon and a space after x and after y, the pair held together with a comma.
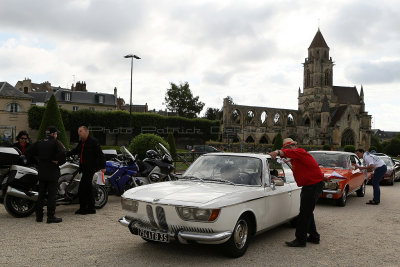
x: 19, y: 184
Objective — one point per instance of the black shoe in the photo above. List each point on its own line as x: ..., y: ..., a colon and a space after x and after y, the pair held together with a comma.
x: 81, y: 212
x: 91, y: 211
x: 313, y: 240
x: 53, y: 219
x: 295, y: 243
x: 39, y: 219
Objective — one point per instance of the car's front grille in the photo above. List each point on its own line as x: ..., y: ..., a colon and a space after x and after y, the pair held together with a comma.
x: 162, y: 224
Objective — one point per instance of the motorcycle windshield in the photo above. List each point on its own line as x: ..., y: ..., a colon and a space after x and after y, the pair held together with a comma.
x: 125, y: 151
x: 164, y: 150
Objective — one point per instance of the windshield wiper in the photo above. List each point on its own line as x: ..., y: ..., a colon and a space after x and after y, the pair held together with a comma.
x: 220, y: 180
x: 191, y: 177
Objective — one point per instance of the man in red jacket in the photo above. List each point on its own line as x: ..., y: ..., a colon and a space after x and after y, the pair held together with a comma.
x: 308, y: 175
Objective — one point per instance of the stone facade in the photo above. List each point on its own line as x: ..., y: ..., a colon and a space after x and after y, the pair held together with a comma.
x: 326, y: 115
x: 14, y: 107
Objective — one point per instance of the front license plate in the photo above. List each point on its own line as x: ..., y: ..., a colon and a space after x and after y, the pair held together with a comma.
x: 153, y: 235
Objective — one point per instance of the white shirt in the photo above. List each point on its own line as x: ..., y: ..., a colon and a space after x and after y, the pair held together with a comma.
x: 372, y: 159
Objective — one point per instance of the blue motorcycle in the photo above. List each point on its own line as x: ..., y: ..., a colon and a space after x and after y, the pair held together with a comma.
x: 121, y: 173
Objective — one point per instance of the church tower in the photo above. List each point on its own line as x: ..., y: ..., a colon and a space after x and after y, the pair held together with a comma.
x: 317, y: 80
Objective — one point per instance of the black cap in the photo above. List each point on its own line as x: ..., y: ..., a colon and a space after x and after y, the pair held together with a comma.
x: 51, y: 129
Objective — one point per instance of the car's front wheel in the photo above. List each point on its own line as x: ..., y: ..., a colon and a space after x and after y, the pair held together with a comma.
x: 361, y: 191
x: 392, y: 178
x: 237, y: 245
x: 341, y: 202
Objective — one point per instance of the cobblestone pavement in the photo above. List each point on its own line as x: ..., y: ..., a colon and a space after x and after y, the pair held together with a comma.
x: 355, y: 235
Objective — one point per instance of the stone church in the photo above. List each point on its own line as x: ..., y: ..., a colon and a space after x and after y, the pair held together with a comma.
x: 326, y: 115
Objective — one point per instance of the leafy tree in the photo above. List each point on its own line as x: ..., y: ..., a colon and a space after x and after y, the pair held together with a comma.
x: 52, y: 117
x: 143, y: 142
x: 180, y: 100
x: 230, y: 100
x: 375, y: 142
x: 172, y: 146
x: 213, y: 114
x: 278, y: 142
x: 393, y: 147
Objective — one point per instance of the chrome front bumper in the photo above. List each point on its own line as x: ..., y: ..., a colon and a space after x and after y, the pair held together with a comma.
x: 184, y: 236
x: 330, y: 191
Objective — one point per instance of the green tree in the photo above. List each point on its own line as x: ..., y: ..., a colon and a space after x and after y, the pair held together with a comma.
x: 180, y: 99
x: 143, y: 142
x: 375, y: 142
x: 52, y: 117
x: 213, y: 114
x: 172, y: 146
x: 278, y: 142
x: 393, y: 149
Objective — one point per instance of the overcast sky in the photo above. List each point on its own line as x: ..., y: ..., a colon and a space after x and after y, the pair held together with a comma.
x: 250, y: 50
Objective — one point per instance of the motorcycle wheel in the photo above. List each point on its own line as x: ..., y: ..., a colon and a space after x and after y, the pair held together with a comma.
x: 101, y: 197
x: 19, y: 207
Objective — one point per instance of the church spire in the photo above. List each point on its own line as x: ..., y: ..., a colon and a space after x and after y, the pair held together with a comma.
x: 318, y: 41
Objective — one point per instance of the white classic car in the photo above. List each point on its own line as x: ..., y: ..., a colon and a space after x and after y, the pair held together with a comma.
x: 222, y: 198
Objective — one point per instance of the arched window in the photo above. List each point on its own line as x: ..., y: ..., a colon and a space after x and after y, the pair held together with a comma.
x: 250, y: 115
x: 307, y: 122
x: 347, y: 138
x: 290, y: 120
x: 263, y: 117
x: 308, y: 78
x: 250, y: 139
x: 264, y: 140
x: 13, y: 108
x: 236, y: 116
x: 328, y: 79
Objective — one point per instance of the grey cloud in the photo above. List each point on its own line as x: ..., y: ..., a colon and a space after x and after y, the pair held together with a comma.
x: 371, y: 72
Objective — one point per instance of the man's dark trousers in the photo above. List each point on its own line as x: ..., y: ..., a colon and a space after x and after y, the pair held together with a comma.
x: 86, y: 192
x: 305, y: 220
x: 49, y: 187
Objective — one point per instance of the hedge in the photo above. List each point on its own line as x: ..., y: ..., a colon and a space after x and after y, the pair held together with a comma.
x: 141, y: 122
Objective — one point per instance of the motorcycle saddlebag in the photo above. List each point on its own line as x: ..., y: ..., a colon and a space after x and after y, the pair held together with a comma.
x: 26, y: 182
x: 8, y: 156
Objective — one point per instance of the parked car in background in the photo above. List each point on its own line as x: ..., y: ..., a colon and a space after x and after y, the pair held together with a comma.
x: 393, y: 171
x: 203, y: 149
x: 345, y: 179
x: 222, y: 198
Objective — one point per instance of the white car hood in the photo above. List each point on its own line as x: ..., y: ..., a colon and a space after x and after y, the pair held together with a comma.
x: 189, y: 193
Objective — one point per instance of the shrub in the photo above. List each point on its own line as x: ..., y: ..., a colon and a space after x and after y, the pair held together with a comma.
x: 349, y: 148
x: 326, y: 147
x: 143, y: 142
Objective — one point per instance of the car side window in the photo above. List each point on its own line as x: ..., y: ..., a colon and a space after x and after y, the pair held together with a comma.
x: 355, y: 161
x: 279, y: 169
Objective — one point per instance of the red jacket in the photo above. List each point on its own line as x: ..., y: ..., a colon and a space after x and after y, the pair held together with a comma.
x: 305, y: 169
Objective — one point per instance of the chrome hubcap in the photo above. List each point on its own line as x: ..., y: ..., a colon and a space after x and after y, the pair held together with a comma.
x: 240, y: 234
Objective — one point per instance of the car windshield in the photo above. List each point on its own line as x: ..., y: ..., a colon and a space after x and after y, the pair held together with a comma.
x: 387, y: 161
x: 225, y: 169
x: 331, y: 160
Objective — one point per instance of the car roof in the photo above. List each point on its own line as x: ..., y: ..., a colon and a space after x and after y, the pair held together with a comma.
x: 331, y: 152
x: 253, y: 155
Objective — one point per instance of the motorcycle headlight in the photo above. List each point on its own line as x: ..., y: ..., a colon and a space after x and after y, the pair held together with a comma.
x: 195, y: 214
x: 154, y: 177
x: 129, y: 204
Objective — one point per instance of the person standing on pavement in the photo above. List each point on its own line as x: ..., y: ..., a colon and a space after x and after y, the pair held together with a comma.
x: 91, y: 160
x: 308, y: 175
x: 50, y: 154
x: 376, y: 164
x: 22, y: 141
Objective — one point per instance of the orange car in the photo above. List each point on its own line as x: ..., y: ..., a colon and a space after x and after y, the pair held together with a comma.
x: 344, y: 177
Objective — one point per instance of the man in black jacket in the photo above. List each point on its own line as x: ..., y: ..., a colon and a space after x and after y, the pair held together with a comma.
x: 91, y: 160
x: 51, y: 154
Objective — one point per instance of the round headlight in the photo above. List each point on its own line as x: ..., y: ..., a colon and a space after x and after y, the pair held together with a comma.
x: 154, y: 177
x: 186, y: 213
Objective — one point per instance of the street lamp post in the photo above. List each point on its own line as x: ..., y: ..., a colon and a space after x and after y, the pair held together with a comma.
x: 130, y: 98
